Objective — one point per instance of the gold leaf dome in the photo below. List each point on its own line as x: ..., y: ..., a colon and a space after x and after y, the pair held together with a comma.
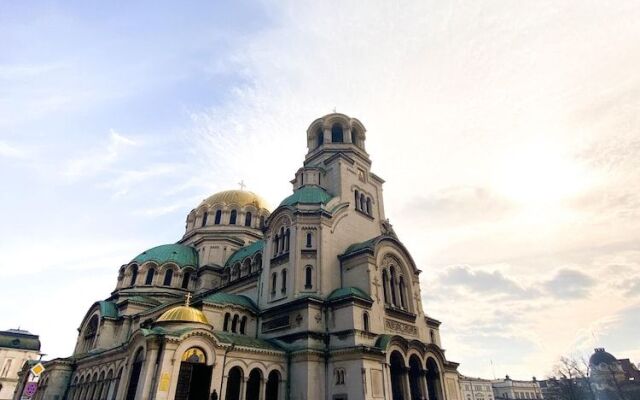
x: 183, y: 314
x: 239, y: 197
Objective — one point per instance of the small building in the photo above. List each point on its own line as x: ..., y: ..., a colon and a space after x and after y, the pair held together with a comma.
x: 475, y: 388
x: 509, y: 389
x: 17, y: 347
x: 613, y: 379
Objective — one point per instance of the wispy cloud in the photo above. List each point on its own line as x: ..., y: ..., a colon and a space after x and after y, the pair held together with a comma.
x: 97, y: 160
x: 9, y: 151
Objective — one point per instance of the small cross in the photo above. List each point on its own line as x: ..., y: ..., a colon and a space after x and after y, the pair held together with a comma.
x: 334, y: 109
x: 242, y: 185
x: 187, y: 300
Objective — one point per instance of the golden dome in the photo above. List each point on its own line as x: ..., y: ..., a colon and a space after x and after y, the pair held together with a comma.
x: 240, y: 197
x: 183, y: 314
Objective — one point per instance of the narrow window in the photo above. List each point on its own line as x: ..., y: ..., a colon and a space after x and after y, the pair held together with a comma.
x: 385, y: 282
x: 363, y: 205
x: 243, y: 324
x: 393, y: 287
x: 185, y: 280
x: 261, y: 222
x: 432, y: 335
x: 226, y: 322
x: 218, y: 217
x: 281, y: 247
x: 287, y: 237
x: 284, y: 281
x: 337, y: 136
x: 357, y: 200
x: 308, y: 240
x: 274, y: 278
x: 276, y: 244
x: 365, y: 322
x: 150, y: 274
x: 247, y: 219
x: 168, y: 276
x: 204, y: 218
x: 134, y: 275
x: 320, y: 137
x: 308, y: 271
x: 369, y: 205
x: 402, y: 293
x: 234, y: 323
x: 234, y: 216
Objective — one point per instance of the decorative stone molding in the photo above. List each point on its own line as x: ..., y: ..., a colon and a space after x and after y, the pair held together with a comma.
x: 400, y: 327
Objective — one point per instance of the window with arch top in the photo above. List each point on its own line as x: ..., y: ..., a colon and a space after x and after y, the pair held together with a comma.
x: 134, y: 275
x: 319, y: 137
x: 227, y: 317
x: 168, y: 277
x: 151, y: 273
x: 284, y: 281
x: 365, y: 321
x: 247, y: 219
x: 233, y: 217
x: 185, y: 280
x: 204, y: 218
x: 308, y: 276
x: 309, y: 239
x: 274, y: 281
x: 218, y: 217
x: 337, y: 134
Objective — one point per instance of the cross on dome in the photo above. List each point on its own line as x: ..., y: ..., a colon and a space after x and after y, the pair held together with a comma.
x: 242, y: 185
x: 187, y: 300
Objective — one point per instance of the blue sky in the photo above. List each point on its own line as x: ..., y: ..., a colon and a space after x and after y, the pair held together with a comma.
x: 507, y: 134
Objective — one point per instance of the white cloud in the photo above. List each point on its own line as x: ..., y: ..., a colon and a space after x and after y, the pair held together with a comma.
x: 9, y: 151
x: 98, y: 160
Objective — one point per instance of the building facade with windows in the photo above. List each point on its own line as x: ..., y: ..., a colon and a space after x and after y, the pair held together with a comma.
x: 318, y: 299
x: 504, y: 389
x: 17, y: 347
x: 475, y: 388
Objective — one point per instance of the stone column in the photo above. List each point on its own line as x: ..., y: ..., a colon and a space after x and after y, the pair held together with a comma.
x: 243, y: 388
x: 406, y: 383
x: 423, y: 384
x: 149, y: 369
x: 263, y: 388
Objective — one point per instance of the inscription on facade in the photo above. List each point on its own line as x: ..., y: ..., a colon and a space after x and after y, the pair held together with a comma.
x: 400, y: 327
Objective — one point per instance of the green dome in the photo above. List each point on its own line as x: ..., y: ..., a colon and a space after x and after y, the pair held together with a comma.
x: 176, y: 253
x: 309, y: 194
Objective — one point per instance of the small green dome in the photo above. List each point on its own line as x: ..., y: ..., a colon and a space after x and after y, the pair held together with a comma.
x: 176, y: 253
x: 309, y: 194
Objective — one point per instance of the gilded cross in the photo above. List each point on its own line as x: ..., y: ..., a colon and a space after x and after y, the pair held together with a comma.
x: 187, y: 300
x: 242, y: 185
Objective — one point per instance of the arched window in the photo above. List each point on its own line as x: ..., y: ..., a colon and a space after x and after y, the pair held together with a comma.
x: 365, y: 321
x: 276, y: 245
x: 369, y: 205
x: 261, y: 221
x: 363, y: 202
x: 308, y: 271
x: 247, y: 219
x: 243, y: 324
x: 287, y: 237
x: 168, y: 276
x: 284, y: 281
x: 151, y: 273
x: 136, y: 368
x: 402, y: 290
x: 226, y: 322
x: 233, y: 217
x: 274, y: 280
x: 385, y: 282
x: 204, y: 218
x: 218, y: 217
x: 134, y: 275
x: 90, y: 333
x: 234, y: 323
x: 320, y: 137
x: 282, y: 240
x: 394, y: 299
x: 309, y: 237
x: 185, y: 280
x: 357, y: 200
x: 432, y: 334
x: 337, y: 136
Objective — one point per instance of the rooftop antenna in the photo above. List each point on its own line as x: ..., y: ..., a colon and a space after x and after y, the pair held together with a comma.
x: 493, y: 370
x: 242, y: 185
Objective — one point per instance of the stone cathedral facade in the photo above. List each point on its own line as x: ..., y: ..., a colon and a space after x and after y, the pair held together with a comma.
x: 317, y: 299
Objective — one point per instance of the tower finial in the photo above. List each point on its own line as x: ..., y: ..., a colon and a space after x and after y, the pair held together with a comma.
x: 187, y: 300
x: 242, y: 185
x: 334, y: 109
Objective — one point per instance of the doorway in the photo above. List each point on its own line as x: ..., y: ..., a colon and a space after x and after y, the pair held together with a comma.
x: 194, y: 379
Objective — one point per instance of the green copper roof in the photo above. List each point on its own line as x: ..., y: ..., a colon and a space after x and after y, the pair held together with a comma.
x: 367, y: 244
x: 348, y: 292
x: 245, y: 251
x: 19, y: 339
x: 236, y: 299
x: 310, y: 194
x: 382, y: 342
x: 177, y: 253
x: 108, y: 309
x: 246, y: 341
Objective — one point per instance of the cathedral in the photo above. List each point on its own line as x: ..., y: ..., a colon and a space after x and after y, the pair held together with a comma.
x: 316, y: 299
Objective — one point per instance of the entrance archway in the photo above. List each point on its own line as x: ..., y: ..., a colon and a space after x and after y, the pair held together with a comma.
x: 273, y: 384
x: 434, y: 386
x: 233, y: 384
x: 397, y: 376
x: 194, y: 379
x: 253, y: 384
x: 414, y: 378
x: 136, y: 367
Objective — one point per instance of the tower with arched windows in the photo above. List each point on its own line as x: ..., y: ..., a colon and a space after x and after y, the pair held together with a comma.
x: 316, y: 299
